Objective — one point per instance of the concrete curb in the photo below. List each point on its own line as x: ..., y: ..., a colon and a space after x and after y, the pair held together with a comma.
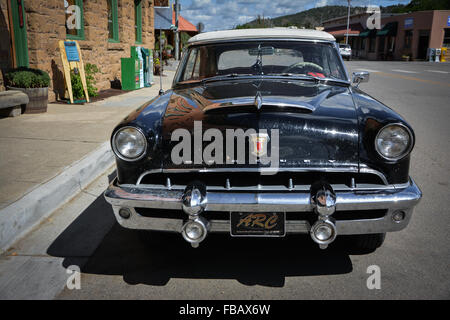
x: 22, y: 216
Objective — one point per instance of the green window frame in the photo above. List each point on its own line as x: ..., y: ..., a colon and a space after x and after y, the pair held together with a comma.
x: 79, y: 32
x: 138, y: 21
x: 113, y: 21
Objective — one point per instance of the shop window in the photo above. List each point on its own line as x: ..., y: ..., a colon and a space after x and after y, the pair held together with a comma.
x: 138, y: 21
x: 408, y: 39
x: 446, y: 38
x: 113, y: 24
x: 74, y: 19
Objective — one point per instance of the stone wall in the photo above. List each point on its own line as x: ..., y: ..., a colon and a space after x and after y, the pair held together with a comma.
x: 46, y: 26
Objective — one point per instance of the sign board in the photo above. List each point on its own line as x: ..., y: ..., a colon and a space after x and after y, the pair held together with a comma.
x: 448, y: 21
x: 71, y: 51
x: 71, y: 60
x: 409, y: 22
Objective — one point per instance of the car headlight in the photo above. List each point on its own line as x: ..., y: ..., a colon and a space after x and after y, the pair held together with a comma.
x: 129, y: 144
x: 394, y: 141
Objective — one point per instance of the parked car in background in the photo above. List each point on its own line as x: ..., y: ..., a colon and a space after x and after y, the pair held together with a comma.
x: 345, y: 51
x: 343, y: 157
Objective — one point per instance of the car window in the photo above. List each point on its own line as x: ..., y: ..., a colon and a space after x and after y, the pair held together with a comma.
x: 263, y: 57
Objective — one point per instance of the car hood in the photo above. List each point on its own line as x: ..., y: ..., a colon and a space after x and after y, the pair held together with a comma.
x: 317, y: 123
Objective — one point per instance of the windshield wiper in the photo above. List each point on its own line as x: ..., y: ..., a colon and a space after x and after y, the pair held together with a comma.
x: 225, y: 76
x: 308, y: 77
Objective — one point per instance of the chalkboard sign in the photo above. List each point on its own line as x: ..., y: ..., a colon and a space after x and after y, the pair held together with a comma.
x: 71, y: 51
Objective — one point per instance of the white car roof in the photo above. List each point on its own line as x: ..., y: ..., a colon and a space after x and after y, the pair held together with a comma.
x: 268, y: 33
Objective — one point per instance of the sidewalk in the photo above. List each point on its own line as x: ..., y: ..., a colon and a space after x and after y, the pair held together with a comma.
x: 37, y: 148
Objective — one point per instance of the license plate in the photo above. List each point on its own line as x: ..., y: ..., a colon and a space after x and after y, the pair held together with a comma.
x: 257, y: 224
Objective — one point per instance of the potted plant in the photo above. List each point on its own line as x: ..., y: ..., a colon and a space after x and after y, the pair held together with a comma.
x: 34, y: 83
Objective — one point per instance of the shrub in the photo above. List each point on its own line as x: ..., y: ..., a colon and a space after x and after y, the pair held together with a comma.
x: 27, y: 78
x: 77, y: 86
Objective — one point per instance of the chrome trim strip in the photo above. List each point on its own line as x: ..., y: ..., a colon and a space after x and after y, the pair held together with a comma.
x: 344, y: 227
x: 352, y: 169
x: 134, y: 196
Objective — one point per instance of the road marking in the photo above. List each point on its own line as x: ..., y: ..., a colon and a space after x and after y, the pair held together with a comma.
x: 392, y: 75
x: 404, y: 71
x: 368, y: 70
x: 437, y: 71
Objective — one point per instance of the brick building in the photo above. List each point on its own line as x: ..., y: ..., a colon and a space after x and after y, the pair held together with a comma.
x: 408, y: 34
x: 30, y: 31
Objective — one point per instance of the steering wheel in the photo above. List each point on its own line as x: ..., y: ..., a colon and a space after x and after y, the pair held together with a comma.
x: 302, y: 65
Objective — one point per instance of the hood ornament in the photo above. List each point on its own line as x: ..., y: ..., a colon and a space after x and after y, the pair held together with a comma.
x: 258, y: 100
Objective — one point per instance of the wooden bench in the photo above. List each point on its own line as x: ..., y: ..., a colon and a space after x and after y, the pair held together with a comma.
x: 11, y: 103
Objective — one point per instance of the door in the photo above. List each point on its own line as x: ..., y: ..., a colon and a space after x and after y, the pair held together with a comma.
x: 424, y: 39
x: 19, y: 32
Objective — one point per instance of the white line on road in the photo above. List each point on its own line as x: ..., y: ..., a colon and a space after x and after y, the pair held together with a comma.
x: 437, y: 71
x: 404, y: 71
x: 368, y: 70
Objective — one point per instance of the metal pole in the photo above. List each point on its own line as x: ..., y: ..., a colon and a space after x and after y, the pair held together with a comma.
x: 348, y: 22
x: 177, y: 34
x: 161, y: 64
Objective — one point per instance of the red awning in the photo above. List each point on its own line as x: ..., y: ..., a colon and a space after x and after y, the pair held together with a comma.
x: 183, y: 24
x: 354, y: 30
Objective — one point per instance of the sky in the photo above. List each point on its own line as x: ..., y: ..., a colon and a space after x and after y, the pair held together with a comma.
x: 226, y: 14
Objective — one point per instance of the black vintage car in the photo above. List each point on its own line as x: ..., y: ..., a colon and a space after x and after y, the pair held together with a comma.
x: 263, y: 134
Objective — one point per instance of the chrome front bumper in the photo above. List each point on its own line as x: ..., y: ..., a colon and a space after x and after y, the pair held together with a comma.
x: 392, y: 200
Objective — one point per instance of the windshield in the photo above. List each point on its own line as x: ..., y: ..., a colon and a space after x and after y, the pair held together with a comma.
x: 344, y: 46
x: 261, y: 58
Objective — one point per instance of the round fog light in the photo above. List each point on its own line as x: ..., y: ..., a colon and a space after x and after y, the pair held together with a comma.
x: 398, y: 216
x: 194, y: 231
x: 323, y: 232
x: 125, y: 213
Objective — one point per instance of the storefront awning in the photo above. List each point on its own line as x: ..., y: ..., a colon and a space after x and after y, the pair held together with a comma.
x: 163, y: 18
x: 390, y: 29
x: 368, y: 33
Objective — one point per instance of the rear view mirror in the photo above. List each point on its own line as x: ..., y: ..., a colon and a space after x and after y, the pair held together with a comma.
x: 359, y: 77
x: 265, y: 51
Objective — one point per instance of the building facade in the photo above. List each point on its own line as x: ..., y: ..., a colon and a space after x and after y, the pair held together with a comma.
x: 401, y: 35
x: 30, y: 32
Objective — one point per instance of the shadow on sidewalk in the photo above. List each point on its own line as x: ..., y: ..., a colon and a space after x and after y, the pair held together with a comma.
x: 99, y: 245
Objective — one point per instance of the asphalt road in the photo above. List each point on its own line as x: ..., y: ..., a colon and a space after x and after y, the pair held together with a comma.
x: 414, y: 263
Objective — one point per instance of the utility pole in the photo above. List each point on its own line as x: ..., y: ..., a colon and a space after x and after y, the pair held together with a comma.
x: 348, y: 22
x: 177, y: 33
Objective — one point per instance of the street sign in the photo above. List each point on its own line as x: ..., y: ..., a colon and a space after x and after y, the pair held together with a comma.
x: 448, y: 21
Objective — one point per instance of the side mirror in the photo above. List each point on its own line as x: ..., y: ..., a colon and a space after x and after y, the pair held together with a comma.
x: 359, y: 77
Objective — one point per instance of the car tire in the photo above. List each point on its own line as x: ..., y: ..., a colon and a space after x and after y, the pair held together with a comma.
x: 369, y: 242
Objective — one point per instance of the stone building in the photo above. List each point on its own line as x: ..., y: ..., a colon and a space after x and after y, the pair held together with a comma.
x: 30, y: 32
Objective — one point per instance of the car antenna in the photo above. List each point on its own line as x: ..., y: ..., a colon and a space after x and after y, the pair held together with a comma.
x: 161, y: 91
